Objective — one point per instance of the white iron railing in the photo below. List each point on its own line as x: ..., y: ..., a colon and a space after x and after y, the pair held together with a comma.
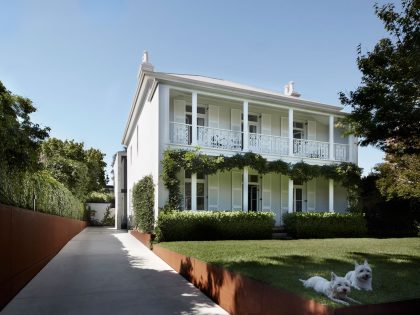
x: 180, y: 133
x: 219, y: 138
x: 311, y: 149
x: 268, y: 144
x: 341, y: 152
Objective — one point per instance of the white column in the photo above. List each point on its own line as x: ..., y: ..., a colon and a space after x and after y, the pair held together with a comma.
x: 291, y: 131
x: 351, y: 148
x: 194, y: 118
x: 290, y: 199
x: 331, y: 195
x: 245, y: 190
x: 246, y: 129
x: 194, y: 192
x: 331, y: 137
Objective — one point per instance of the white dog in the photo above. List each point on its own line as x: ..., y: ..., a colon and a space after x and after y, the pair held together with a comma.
x: 336, y: 289
x: 361, y: 276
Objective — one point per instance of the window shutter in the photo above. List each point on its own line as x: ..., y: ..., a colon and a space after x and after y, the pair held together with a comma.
x: 213, y: 191
x: 311, y: 130
x: 179, y: 111
x: 265, y: 124
x: 284, y: 192
x: 311, y: 195
x: 213, y: 116
x: 237, y: 191
x: 235, y: 119
x: 284, y: 127
x: 266, y: 192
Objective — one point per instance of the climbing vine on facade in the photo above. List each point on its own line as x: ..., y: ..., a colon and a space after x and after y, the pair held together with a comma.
x: 194, y: 161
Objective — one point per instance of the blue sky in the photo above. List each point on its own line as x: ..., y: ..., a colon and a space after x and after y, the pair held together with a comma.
x: 78, y: 60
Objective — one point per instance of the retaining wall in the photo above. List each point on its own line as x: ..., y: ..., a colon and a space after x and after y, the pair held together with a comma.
x: 28, y: 241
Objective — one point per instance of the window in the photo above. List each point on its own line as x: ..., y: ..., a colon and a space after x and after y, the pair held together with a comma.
x: 200, y: 191
x: 253, y: 178
x: 298, y: 130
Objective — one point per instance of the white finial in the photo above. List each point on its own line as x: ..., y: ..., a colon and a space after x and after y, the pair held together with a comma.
x: 289, y: 89
x: 145, y: 58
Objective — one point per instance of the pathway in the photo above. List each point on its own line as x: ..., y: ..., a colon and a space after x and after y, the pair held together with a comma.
x: 106, y: 271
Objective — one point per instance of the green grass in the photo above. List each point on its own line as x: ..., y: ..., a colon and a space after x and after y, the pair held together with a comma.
x: 395, y: 263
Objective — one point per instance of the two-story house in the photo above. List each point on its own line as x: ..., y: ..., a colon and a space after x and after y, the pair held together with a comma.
x: 226, y: 118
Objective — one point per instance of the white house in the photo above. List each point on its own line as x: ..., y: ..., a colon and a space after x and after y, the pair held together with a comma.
x: 222, y: 117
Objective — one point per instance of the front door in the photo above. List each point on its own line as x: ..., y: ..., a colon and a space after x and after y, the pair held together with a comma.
x: 252, y: 198
x: 297, y: 199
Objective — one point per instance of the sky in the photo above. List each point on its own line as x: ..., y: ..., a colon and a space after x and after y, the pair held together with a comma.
x: 78, y: 60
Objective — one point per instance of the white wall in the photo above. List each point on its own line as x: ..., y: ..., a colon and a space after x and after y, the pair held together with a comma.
x: 100, y: 209
x: 120, y: 197
x: 321, y: 194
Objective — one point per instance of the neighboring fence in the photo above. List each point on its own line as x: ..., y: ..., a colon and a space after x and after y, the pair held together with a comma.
x: 28, y: 241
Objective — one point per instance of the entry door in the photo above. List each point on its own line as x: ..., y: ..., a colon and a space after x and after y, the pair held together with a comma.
x: 252, y: 198
x: 297, y: 199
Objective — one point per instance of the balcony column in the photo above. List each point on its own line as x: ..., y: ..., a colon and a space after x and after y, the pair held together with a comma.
x: 331, y: 137
x: 290, y: 196
x: 291, y: 132
x: 331, y: 195
x: 246, y: 130
x: 351, y: 149
x: 245, y: 191
x: 194, y: 192
x: 194, y: 119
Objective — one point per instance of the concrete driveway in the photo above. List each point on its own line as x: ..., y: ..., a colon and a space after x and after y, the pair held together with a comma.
x: 106, y: 271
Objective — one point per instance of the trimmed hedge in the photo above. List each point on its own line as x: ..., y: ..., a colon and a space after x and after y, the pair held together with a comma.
x: 143, y: 204
x: 324, y: 225
x: 19, y: 190
x: 214, y: 225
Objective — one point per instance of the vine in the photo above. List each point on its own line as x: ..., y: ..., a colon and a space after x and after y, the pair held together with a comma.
x: 195, y: 162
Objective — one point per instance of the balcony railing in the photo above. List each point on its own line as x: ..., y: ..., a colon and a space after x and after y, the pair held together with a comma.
x: 224, y: 139
x: 311, y: 149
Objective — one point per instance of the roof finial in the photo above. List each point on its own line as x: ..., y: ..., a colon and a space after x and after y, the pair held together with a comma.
x: 145, y: 58
x: 145, y: 64
x: 289, y: 89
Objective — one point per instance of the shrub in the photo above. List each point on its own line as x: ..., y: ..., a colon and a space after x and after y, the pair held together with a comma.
x: 20, y: 189
x: 324, y: 224
x: 213, y: 225
x: 108, y: 218
x: 101, y: 197
x: 143, y: 204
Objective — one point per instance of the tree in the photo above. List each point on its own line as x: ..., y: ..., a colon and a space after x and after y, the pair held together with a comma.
x: 386, y: 106
x: 19, y: 137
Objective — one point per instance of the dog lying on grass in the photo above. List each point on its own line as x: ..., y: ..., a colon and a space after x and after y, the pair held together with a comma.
x: 336, y: 289
x: 361, y: 277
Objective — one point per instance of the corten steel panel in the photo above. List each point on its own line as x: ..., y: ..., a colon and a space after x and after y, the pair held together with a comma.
x: 241, y: 295
x: 34, y: 239
x: 144, y: 238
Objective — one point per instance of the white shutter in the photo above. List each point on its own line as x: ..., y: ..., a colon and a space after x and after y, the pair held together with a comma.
x: 284, y: 192
x: 311, y: 130
x: 213, y: 116
x: 284, y: 127
x: 266, y: 192
x: 311, y: 195
x: 235, y: 119
x: 179, y: 111
x: 213, y: 191
x: 236, y: 191
x: 265, y: 124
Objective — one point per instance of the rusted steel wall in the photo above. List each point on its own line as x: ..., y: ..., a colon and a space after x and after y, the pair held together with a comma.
x: 241, y: 295
x: 145, y: 238
x: 28, y: 241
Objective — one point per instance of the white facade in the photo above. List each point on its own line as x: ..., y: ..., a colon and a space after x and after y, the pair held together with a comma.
x: 185, y: 111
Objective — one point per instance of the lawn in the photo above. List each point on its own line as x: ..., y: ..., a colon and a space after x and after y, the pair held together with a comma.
x: 395, y: 263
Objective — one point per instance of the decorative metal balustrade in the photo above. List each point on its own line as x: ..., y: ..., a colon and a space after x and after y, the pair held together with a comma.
x: 311, y: 149
x: 225, y: 139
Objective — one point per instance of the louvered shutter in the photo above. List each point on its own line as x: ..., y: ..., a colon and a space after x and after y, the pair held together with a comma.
x: 179, y: 111
x: 311, y: 130
x: 311, y: 195
x: 266, y: 192
x: 213, y: 191
x: 284, y: 192
x: 236, y: 191
x: 213, y: 116
x: 284, y: 127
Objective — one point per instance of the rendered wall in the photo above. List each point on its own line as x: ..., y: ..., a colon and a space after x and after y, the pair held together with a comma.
x: 28, y: 241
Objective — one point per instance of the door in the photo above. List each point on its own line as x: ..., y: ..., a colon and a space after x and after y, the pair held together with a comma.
x: 252, y: 198
x: 297, y: 199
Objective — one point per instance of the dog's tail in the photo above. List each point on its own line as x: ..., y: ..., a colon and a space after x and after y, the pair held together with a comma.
x: 303, y: 281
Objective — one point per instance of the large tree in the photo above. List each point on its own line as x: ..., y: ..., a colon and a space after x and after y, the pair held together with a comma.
x: 386, y: 105
x: 20, y: 138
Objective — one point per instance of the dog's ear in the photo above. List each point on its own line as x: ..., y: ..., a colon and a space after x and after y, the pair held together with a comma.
x: 333, y: 276
x: 365, y: 263
x: 356, y: 264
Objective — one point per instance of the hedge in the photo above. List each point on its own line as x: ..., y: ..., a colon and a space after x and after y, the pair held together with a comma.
x: 19, y: 190
x: 324, y: 225
x: 213, y: 225
x: 143, y: 204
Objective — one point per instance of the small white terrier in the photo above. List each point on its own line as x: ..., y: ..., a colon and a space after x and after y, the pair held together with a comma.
x: 336, y: 289
x: 361, y: 276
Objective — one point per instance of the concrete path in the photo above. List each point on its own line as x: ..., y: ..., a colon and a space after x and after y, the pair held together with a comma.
x: 106, y: 271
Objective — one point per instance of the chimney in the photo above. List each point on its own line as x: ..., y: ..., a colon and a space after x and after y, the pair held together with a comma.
x: 145, y: 64
x: 289, y: 90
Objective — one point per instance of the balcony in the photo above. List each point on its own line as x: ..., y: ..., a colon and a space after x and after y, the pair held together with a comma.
x: 224, y: 139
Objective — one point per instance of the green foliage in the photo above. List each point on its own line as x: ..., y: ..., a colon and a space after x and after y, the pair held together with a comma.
x: 193, y: 161
x: 19, y: 137
x: 213, y: 225
x: 108, y: 220
x: 81, y: 171
x: 386, y: 105
x: 324, y: 225
x: 143, y: 204
x: 20, y: 188
x: 100, y: 197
